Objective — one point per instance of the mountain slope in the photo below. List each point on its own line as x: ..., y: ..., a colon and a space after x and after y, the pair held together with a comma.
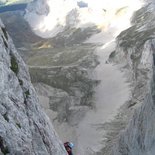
x: 135, y: 50
x: 24, y: 128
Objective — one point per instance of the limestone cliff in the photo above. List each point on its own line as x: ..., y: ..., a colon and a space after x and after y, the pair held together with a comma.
x: 24, y: 128
x: 136, y: 51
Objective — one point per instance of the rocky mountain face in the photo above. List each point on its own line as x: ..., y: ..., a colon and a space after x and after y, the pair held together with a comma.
x: 24, y: 128
x: 136, y: 50
x: 60, y: 69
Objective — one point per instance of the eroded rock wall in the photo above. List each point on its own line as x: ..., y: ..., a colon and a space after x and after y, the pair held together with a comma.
x: 135, y: 51
x: 24, y: 128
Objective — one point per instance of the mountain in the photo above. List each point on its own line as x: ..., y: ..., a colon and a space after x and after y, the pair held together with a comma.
x: 96, y: 88
x: 135, y: 50
x: 11, y: 2
x: 59, y: 68
x: 39, y: 12
x: 24, y: 127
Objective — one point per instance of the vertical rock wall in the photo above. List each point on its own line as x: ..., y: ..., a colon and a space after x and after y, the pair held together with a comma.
x: 24, y: 128
x: 136, y: 50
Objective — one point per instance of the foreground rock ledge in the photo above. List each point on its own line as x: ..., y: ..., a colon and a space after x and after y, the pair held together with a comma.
x: 24, y: 128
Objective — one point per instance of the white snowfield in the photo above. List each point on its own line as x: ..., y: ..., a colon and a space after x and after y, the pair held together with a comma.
x: 24, y: 127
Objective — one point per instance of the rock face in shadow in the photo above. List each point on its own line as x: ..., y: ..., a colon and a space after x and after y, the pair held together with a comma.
x: 24, y: 128
x: 60, y: 69
x: 136, y: 50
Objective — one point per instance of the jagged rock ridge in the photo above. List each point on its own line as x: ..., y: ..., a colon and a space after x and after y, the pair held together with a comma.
x: 24, y: 128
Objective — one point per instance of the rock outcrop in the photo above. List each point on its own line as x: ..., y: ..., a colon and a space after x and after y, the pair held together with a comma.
x: 136, y: 51
x: 24, y: 128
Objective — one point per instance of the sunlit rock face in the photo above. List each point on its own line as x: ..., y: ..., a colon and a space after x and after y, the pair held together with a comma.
x: 24, y: 128
x: 136, y: 50
x: 49, y: 17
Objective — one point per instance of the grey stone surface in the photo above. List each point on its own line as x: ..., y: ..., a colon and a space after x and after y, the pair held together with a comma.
x: 135, y: 49
x: 133, y: 131
x: 24, y: 128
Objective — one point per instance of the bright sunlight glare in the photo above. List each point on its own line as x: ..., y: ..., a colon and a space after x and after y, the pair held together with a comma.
x: 105, y: 14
